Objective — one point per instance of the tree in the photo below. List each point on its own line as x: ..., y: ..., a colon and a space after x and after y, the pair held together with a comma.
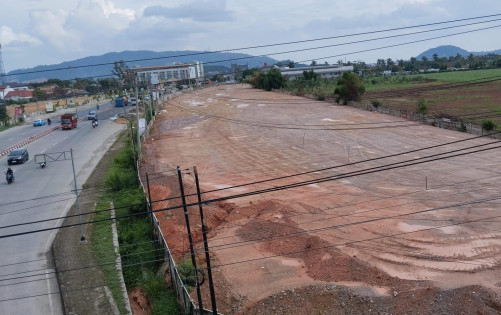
x: 422, y: 106
x: 389, y: 64
x: 425, y: 61
x: 269, y: 80
x: 4, y: 117
x: 122, y: 71
x: 498, y: 62
x: 381, y: 64
x: 349, y: 88
x: 313, y: 63
x: 39, y: 95
x: 488, y: 125
x: 471, y: 60
x: 290, y: 64
x: 400, y: 63
x: 310, y: 75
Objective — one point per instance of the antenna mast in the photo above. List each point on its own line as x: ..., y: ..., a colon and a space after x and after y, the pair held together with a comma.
x: 3, y: 75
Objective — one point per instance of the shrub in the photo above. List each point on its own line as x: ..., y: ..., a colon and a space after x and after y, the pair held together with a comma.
x: 154, y: 286
x: 422, y: 106
x: 376, y: 103
x: 117, y: 179
x: 488, y: 125
x: 462, y: 128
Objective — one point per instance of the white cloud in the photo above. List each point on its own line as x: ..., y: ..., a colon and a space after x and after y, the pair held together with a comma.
x: 8, y: 36
x: 66, y: 30
x: 198, y: 10
x: 50, y: 27
x: 101, y: 16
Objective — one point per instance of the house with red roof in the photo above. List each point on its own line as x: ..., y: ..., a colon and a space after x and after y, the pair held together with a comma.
x: 17, y: 95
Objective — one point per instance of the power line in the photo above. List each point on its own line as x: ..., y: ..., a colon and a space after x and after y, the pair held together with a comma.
x: 266, y: 180
x: 355, y: 242
x: 284, y: 43
x: 273, y: 189
x: 288, y: 176
x: 332, y: 167
x: 354, y: 214
x: 73, y: 290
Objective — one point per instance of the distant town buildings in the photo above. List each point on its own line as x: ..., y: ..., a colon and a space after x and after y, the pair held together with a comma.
x: 324, y: 71
x: 163, y: 75
x: 15, y: 93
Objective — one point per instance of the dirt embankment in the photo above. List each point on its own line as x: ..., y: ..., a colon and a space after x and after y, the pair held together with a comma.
x: 321, y: 238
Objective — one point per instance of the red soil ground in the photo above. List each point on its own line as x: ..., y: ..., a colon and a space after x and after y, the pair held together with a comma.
x: 423, y: 238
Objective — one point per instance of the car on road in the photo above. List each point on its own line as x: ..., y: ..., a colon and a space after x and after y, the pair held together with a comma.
x: 18, y: 156
x: 38, y: 122
x: 133, y: 101
x: 91, y: 115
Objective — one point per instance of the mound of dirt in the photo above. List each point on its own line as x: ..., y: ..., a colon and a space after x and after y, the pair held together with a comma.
x: 308, y: 241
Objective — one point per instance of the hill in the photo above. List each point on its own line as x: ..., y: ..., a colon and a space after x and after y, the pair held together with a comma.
x: 101, y: 66
x: 451, y: 51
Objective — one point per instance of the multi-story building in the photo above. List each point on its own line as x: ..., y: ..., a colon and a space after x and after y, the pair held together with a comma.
x: 324, y: 71
x: 162, y: 75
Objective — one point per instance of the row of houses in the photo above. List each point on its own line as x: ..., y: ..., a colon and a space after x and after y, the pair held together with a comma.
x: 15, y: 93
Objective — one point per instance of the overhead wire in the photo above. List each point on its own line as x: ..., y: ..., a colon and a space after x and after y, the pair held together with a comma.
x: 352, y: 242
x: 275, y: 44
x: 276, y: 188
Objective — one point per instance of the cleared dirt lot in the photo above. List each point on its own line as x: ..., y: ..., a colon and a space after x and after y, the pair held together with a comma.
x: 346, y: 236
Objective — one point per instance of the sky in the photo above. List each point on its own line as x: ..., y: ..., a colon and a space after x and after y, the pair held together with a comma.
x: 45, y: 32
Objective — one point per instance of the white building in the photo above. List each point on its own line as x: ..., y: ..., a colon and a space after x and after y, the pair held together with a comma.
x: 324, y: 72
x: 169, y: 74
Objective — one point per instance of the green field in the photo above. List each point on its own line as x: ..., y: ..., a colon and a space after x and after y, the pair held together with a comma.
x: 464, y: 76
x: 374, y: 84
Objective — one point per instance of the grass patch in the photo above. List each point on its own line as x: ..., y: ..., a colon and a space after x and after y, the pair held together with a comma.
x: 463, y: 76
x: 140, y: 257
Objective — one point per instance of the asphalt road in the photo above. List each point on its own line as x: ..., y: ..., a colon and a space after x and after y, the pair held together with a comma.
x: 27, y: 280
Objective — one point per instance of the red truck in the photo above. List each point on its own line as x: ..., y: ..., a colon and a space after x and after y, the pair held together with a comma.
x: 69, y: 121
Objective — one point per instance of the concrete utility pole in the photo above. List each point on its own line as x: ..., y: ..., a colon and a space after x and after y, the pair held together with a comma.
x: 2, y: 69
x: 137, y: 115
x: 82, y: 238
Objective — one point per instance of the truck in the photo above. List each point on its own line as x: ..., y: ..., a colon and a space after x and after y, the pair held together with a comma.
x: 121, y: 101
x: 69, y: 121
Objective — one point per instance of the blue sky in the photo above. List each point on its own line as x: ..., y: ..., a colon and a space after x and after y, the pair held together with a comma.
x: 34, y: 32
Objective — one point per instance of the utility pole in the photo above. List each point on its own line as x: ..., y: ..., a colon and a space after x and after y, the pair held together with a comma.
x: 2, y: 69
x: 82, y: 238
x: 206, y: 245
x: 190, y: 239
x: 63, y: 156
x: 137, y: 117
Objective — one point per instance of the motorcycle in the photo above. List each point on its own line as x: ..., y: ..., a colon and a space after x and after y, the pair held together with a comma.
x: 94, y: 123
x: 9, y: 177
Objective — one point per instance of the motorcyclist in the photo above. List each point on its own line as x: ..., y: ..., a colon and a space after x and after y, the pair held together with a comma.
x: 94, y: 121
x: 48, y: 121
x: 9, y: 171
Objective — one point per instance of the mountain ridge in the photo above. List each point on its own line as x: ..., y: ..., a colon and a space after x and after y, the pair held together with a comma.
x: 102, y: 65
x: 452, y: 51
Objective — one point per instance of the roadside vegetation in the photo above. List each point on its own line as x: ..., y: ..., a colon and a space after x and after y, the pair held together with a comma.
x: 140, y: 256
